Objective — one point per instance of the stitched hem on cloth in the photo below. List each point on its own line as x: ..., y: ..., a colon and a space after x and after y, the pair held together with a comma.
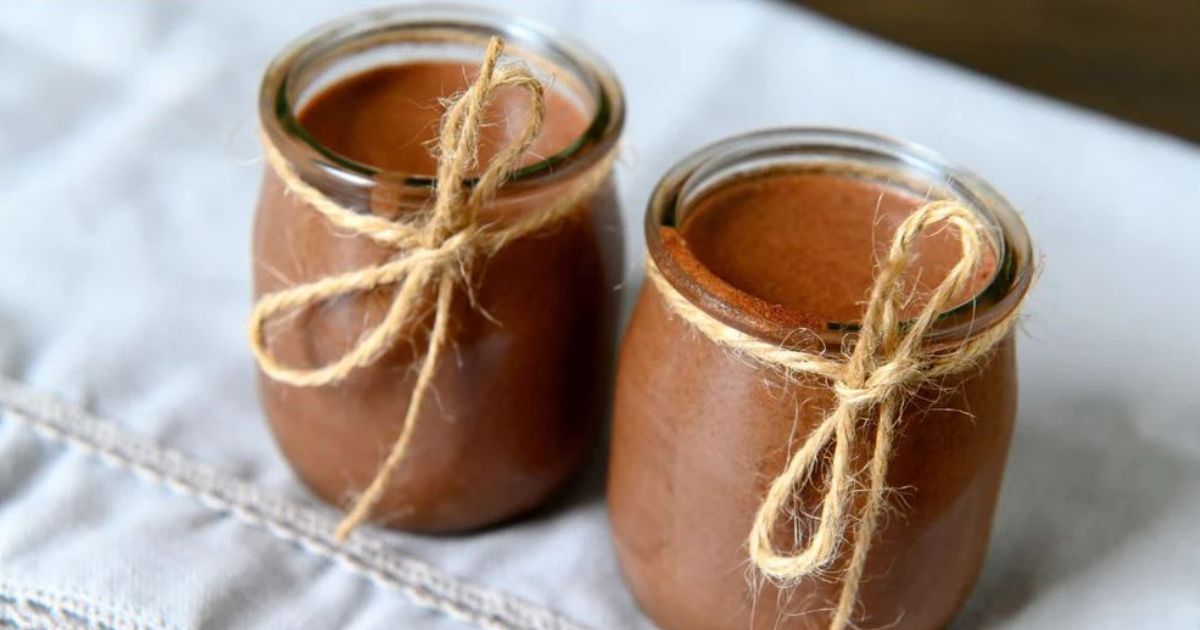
x: 311, y: 529
x: 34, y: 609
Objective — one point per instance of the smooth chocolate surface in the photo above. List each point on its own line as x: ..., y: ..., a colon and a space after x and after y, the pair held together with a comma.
x: 388, y: 117
x: 810, y: 241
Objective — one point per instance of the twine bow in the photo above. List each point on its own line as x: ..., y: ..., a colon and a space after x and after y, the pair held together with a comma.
x: 434, y: 252
x: 887, y: 362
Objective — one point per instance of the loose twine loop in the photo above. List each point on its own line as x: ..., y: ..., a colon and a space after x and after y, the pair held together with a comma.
x: 435, y: 250
x: 887, y: 362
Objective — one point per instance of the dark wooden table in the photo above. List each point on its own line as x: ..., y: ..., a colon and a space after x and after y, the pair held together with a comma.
x: 1135, y: 59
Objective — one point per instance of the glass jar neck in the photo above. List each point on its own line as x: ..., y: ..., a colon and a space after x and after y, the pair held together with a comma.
x: 424, y: 33
x: 842, y: 153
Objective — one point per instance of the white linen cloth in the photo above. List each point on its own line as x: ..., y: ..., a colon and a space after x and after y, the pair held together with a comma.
x: 130, y: 171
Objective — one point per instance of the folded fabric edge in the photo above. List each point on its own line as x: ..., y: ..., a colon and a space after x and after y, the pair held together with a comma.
x: 311, y: 529
x: 23, y: 607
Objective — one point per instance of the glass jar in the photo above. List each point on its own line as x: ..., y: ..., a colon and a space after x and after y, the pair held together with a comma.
x: 517, y: 397
x: 700, y: 432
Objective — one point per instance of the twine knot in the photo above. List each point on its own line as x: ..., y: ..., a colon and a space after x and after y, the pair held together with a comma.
x: 433, y: 251
x: 887, y: 359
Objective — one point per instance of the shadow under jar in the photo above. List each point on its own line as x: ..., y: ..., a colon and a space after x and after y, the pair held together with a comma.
x: 777, y: 234
x: 515, y: 403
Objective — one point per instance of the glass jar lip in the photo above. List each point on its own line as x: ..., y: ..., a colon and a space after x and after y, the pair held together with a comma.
x: 1014, y: 274
x: 277, y: 116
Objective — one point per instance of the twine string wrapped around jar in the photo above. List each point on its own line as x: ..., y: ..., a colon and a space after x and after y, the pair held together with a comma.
x: 434, y: 251
x: 887, y: 361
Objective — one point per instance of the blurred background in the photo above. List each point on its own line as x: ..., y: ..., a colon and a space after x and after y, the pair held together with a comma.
x: 1134, y: 59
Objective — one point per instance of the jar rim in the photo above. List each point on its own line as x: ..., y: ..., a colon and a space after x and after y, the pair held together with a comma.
x: 1015, y: 267
x: 467, y: 24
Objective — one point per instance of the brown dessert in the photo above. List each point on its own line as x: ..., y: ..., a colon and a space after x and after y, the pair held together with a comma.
x: 788, y: 254
x: 808, y: 241
x: 388, y: 117
x: 518, y: 395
